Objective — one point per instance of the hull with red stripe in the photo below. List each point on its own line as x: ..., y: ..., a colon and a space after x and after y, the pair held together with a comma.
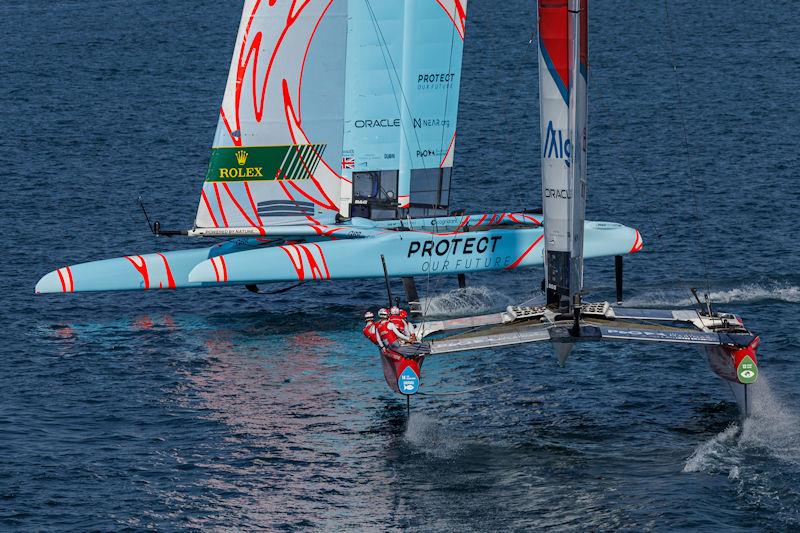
x: 162, y: 270
x: 727, y: 363
x: 472, y: 243
x: 408, y: 254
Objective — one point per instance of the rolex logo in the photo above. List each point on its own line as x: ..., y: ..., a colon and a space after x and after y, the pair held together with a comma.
x: 241, y: 172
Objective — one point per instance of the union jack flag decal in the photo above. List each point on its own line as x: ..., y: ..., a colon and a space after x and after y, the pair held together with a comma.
x: 348, y: 162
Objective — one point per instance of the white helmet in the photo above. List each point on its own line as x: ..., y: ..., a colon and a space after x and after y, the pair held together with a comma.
x: 369, y: 315
x: 394, y: 310
x: 383, y: 313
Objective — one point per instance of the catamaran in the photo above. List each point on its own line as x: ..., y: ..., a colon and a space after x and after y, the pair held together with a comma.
x: 566, y: 319
x: 332, y: 159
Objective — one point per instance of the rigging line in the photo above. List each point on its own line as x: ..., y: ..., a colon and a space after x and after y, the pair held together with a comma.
x: 450, y: 250
x: 690, y: 173
x: 441, y: 177
x: 382, y: 44
x: 523, y: 80
x: 447, y: 92
x: 612, y: 125
x: 379, y: 34
x: 384, y: 47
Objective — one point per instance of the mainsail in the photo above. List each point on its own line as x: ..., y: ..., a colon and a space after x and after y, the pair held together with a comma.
x: 563, y: 68
x: 380, y: 77
x: 403, y: 78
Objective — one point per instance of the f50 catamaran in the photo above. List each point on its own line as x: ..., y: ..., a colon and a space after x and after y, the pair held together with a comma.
x: 332, y: 159
x: 334, y: 148
x: 565, y: 319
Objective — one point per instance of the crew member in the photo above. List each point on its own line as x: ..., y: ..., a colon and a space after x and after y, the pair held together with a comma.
x: 370, y: 330
x: 396, y: 341
x: 397, y: 318
x: 387, y: 335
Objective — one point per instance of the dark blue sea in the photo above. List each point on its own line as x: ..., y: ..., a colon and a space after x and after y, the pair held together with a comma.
x: 222, y: 410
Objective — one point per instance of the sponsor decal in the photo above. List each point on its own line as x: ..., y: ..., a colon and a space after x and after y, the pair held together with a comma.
x: 564, y: 194
x: 495, y: 262
x: 454, y: 245
x: 408, y: 382
x: 747, y: 371
x: 431, y: 123
x: 430, y: 152
x: 241, y: 172
x: 443, y: 77
x: 459, y: 254
x: 673, y: 336
x: 557, y: 144
x: 264, y: 163
x: 427, y: 81
x: 377, y: 123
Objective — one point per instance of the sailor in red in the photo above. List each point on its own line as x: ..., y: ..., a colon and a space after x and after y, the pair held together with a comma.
x: 386, y: 335
x: 370, y: 331
x: 405, y: 327
x: 396, y: 342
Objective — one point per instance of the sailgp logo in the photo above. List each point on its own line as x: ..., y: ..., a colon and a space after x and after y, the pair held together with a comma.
x: 557, y: 145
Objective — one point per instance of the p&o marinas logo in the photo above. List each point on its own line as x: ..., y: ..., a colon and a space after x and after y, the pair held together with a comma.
x: 242, y: 171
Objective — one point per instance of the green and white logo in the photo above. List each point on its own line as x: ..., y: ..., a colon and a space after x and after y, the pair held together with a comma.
x: 747, y: 371
x: 264, y: 163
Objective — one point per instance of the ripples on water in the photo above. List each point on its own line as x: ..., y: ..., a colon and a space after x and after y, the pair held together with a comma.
x: 467, y: 301
x: 744, y: 294
x: 760, y: 455
x: 221, y: 410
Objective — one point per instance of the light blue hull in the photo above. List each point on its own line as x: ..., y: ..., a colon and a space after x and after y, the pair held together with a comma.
x: 407, y: 253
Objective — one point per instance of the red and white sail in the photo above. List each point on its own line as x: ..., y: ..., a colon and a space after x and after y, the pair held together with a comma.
x: 279, y: 136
